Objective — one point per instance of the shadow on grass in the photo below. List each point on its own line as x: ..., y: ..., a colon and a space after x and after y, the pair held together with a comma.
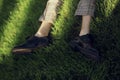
x: 31, y: 22
x: 53, y: 62
x: 6, y: 8
x: 57, y: 61
x: 106, y: 30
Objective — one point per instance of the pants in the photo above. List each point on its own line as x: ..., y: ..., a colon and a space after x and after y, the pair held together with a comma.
x: 85, y: 7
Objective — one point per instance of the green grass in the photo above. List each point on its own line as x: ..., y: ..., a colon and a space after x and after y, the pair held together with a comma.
x: 19, y: 19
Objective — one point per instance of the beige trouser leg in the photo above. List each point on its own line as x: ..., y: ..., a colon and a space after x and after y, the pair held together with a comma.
x: 51, y: 11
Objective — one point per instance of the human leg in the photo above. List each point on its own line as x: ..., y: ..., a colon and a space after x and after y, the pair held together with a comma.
x: 86, y: 10
x: 40, y: 39
x: 44, y: 29
x: 85, y: 28
x: 48, y: 17
x: 83, y: 42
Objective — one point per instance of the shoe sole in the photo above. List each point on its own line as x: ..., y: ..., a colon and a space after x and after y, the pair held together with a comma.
x: 26, y: 51
x: 21, y: 51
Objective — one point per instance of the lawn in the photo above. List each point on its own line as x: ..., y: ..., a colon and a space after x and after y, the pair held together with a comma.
x: 19, y: 19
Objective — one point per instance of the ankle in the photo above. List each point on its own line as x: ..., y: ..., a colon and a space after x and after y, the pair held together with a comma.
x: 82, y: 34
x: 41, y: 35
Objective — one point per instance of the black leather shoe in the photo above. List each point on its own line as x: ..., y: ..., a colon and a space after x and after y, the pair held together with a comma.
x: 83, y: 44
x: 30, y: 45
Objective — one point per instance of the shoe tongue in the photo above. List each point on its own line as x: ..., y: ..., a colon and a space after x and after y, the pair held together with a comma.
x: 40, y: 38
x: 35, y: 39
x: 86, y: 38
